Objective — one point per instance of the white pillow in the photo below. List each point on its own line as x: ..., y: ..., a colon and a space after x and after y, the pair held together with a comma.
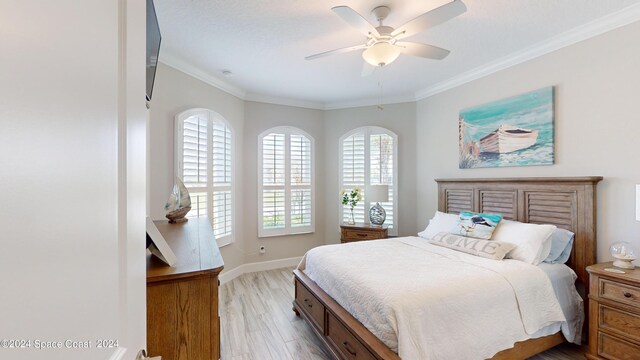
x: 532, y: 241
x: 561, y: 243
x: 441, y: 222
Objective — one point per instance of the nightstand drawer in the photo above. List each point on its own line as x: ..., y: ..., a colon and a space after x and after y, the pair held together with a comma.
x: 362, y: 232
x: 617, y: 349
x: 620, y: 322
x: 620, y: 292
x: 361, y: 235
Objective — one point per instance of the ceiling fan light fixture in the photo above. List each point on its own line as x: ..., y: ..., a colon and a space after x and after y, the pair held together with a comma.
x: 381, y: 54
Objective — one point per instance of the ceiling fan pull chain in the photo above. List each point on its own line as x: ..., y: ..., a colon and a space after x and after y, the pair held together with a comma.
x: 380, y: 106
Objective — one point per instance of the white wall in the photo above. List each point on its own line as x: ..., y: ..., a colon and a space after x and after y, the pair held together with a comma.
x: 258, y: 118
x: 175, y: 92
x: 399, y: 118
x: 73, y: 118
x: 597, y: 127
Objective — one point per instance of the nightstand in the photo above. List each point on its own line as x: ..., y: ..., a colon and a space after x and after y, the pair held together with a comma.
x: 360, y: 231
x: 614, y: 313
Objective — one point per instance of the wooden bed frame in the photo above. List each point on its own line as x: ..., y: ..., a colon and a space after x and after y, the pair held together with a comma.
x: 569, y: 203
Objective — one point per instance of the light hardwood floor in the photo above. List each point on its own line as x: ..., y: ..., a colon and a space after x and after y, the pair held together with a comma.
x: 257, y: 322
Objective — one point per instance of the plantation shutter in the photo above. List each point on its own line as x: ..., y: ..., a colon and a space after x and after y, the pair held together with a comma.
x: 368, y: 157
x: 194, y: 162
x: 286, y: 183
x: 273, y: 181
x: 382, y: 169
x: 300, y: 181
x: 221, y: 179
x: 353, y: 172
x: 204, y: 152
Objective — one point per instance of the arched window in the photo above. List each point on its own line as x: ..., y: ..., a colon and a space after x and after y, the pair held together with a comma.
x: 369, y: 156
x: 285, y: 182
x: 204, y: 162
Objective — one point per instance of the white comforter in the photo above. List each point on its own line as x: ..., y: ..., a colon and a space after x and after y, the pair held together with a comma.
x: 429, y: 302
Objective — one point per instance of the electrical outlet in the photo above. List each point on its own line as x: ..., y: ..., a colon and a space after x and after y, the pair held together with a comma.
x: 262, y: 249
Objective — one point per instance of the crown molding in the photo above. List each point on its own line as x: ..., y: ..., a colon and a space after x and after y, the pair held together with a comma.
x: 327, y: 106
x: 275, y: 100
x: 181, y: 65
x: 369, y: 102
x: 592, y: 29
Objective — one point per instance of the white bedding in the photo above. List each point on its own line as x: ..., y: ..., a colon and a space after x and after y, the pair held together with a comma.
x: 563, y: 279
x: 424, y: 301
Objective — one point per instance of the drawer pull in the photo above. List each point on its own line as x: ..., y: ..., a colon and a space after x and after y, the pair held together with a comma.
x: 627, y: 294
x: 362, y: 234
x: 308, y: 303
x: 348, y: 348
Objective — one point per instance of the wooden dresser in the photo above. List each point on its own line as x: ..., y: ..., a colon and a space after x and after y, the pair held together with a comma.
x: 182, y: 301
x: 359, y: 232
x: 614, y: 313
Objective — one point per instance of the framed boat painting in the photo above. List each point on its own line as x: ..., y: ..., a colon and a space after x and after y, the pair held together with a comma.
x: 516, y: 131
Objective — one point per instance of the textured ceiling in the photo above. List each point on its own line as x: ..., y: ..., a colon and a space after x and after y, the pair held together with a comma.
x: 264, y: 42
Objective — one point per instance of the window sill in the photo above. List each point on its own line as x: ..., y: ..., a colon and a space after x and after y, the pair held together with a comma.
x: 224, y: 241
x: 282, y: 234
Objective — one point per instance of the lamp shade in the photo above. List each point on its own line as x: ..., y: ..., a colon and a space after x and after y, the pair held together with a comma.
x: 638, y: 202
x: 381, y: 54
x: 377, y: 193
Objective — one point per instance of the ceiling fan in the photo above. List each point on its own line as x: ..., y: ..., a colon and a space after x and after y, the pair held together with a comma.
x: 383, y: 45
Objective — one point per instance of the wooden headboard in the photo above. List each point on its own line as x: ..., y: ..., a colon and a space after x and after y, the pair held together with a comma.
x: 568, y: 203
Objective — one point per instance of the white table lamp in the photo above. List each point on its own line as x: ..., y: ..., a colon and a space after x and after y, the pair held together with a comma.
x: 377, y: 194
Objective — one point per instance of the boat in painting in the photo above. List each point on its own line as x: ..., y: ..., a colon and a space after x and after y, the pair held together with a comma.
x: 506, y: 139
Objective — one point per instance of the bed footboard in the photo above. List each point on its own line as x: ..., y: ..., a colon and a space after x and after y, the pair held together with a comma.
x: 343, y: 336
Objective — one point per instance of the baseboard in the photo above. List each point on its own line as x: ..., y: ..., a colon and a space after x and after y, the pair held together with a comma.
x: 229, y: 275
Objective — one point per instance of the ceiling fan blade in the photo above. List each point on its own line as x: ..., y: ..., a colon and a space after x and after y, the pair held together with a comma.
x: 430, y: 19
x: 367, y: 69
x: 356, y: 20
x: 336, y: 51
x: 422, y: 50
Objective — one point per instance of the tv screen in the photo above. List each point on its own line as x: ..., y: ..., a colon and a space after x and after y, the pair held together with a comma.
x: 153, y: 46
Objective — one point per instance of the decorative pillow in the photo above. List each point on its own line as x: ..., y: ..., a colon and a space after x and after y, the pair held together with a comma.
x: 532, y: 241
x: 561, y: 244
x: 489, y: 249
x: 476, y: 225
x: 440, y: 222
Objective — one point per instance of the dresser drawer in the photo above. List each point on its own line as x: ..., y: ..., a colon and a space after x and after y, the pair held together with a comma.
x: 344, y: 343
x: 310, y: 305
x: 617, y: 349
x: 620, y: 322
x: 361, y: 235
x: 620, y: 292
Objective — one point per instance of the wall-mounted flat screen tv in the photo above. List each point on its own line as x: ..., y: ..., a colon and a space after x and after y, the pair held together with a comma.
x: 153, y: 46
